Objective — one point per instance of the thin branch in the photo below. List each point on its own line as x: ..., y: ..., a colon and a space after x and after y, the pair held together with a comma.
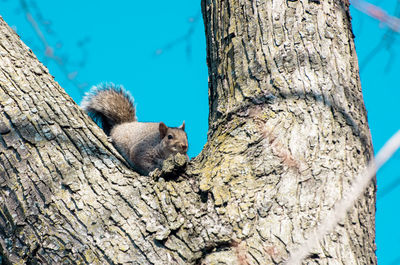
x: 374, y: 51
x: 389, y: 188
x: 348, y: 200
x: 184, y: 38
x: 393, y: 23
x: 49, y: 51
x: 377, y: 13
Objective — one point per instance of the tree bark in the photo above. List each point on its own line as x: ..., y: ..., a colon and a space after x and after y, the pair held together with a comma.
x: 287, y: 134
x: 287, y: 126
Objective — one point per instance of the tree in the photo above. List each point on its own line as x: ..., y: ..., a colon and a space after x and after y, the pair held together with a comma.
x: 287, y: 134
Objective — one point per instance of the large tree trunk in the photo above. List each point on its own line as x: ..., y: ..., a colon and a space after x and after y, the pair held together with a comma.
x: 288, y: 128
x: 288, y: 133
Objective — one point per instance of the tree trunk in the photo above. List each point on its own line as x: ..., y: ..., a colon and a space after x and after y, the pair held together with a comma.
x: 288, y: 127
x: 288, y: 133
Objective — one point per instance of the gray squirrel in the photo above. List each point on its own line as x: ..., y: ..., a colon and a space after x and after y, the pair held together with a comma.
x: 144, y: 144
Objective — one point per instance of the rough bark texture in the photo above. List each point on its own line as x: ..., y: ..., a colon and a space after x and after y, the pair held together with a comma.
x: 288, y: 133
x: 288, y: 128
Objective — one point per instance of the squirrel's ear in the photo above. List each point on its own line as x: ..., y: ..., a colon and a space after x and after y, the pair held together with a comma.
x: 163, y: 129
x: 182, y: 126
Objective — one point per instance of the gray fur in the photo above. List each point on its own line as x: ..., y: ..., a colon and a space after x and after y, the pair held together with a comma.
x: 145, y: 144
x: 109, y: 105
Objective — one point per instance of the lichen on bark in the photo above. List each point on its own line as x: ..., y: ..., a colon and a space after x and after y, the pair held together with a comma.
x: 287, y: 134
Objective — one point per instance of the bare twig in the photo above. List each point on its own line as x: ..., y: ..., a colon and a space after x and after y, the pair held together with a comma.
x: 49, y: 51
x: 389, y: 37
x: 377, y: 13
x: 185, y: 38
x: 389, y: 188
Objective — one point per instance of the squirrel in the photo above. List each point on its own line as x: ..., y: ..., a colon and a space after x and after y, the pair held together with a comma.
x: 144, y: 144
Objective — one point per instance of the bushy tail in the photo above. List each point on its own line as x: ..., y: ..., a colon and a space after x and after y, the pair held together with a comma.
x: 109, y: 105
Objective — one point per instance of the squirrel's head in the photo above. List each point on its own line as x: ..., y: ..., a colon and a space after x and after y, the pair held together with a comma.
x: 174, y: 140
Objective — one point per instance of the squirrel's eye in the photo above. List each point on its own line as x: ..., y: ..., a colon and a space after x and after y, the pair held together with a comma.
x: 170, y: 136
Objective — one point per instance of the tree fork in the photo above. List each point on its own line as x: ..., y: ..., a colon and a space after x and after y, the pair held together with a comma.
x: 288, y: 133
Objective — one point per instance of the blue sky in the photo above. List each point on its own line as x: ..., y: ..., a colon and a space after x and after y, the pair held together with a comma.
x: 129, y: 43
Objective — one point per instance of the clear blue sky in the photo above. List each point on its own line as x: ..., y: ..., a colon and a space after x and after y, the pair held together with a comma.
x: 120, y: 44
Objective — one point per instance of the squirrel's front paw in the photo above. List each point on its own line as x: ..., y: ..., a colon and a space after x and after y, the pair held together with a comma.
x: 171, y: 166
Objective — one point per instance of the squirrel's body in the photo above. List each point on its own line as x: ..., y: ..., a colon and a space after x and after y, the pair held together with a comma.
x: 145, y: 144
